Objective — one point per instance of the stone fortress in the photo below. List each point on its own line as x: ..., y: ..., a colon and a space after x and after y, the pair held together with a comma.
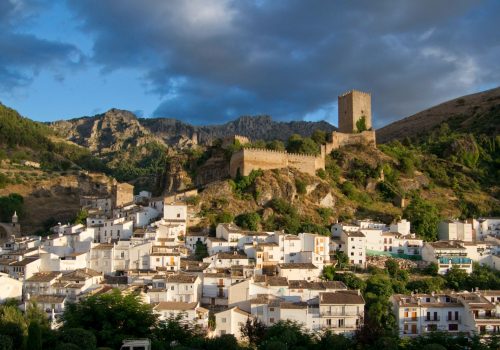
x: 352, y: 106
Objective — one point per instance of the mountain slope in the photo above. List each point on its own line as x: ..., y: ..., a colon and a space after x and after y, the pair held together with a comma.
x: 101, y: 131
x: 478, y: 113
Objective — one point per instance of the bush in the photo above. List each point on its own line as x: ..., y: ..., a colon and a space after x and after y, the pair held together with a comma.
x: 300, y: 186
x: 249, y: 221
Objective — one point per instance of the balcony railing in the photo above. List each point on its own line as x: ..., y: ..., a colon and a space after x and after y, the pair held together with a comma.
x: 454, y: 319
x: 339, y: 313
x: 432, y: 319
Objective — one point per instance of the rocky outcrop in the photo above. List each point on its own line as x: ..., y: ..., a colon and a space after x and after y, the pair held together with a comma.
x: 117, y: 129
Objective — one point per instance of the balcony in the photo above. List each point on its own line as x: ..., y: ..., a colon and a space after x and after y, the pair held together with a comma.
x: 454, y: 319
x: 339, y: 313
x: 432, y: 319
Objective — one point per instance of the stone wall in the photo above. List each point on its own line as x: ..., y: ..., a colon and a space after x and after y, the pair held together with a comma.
x: 351, y: 107
x: 339, y: 139
x: 123, y: 194
x: 248, y: 159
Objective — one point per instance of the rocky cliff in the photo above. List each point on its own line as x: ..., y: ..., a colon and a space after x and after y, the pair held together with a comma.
x: 117, y: 129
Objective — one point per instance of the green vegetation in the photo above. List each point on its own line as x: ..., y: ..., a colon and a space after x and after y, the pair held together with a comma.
x: 248, y: 221
x: 10, y: 204
x: 361, y: 124
x: 244, y: 186
x: 81, y: 217
x: 298, y: 144
x: 201, y: 251
x: 424, y: 218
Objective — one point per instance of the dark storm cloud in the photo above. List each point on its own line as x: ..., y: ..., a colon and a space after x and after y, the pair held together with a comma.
x: 215, y: 60
x: 23, y: 55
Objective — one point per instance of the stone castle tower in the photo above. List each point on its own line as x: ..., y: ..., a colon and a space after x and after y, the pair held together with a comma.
x: 352, y: 106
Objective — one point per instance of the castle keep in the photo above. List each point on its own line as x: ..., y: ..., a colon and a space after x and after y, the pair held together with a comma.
x: 353, y: 106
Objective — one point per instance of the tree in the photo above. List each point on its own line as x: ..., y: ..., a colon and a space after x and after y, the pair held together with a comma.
x: 34, y: 341
x: 276, y: 145
x: 342, y: 259
x: 249, y: 221
x: 456, y: 279
x: 6, y: 342
x: 200, y: 251
x: 328, y: 272
x: 254, y: 330
x: 9, y: 204
x: 392, y: 267
x: 81, y: 217
x: 432, y: 269
x: 78, y: 336
x: 13, y: 325
x: 111, y: 317
x: 290, y: 334
x: 319, y: 136
x: 424, y: 217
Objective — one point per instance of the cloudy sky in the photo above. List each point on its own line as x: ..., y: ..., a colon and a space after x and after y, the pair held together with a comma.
x: 210, y: 61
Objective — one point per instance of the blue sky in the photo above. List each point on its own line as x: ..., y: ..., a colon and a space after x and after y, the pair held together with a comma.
x: 210, y: 61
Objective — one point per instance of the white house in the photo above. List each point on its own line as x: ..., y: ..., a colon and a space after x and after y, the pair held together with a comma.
x: 452, y: 230
x: 299, y: 271
x: 230, y: 321
x: 10, y: 288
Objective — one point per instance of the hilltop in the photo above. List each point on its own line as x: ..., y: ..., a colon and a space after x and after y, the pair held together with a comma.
x: 478, y: 113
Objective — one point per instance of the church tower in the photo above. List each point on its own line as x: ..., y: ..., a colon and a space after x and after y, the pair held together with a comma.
x: 16, y: 228
x: 353, y: 105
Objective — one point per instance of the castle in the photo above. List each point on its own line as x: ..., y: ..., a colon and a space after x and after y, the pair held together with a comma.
x: 355, y: 127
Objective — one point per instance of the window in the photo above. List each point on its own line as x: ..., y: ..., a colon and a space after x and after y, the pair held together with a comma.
x: 352, y: 253
x: 329, y: 322
x: 222, y: 332
x: 352, y: 239
x: 341, y: 322
x: 360, y: 261
x: 453, y: 327
x: 178, y: 215
x: 223, y: 320
x: 172, y: 288
x: 271, y: 320
x: 271, y: 309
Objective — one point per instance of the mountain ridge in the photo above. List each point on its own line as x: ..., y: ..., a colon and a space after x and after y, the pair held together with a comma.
x: 176, y: 133
x: 475, y: 112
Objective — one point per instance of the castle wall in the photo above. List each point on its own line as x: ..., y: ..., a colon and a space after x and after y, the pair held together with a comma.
x: 339, y: 139
x: 351, y: 107
x: 249, y: 159
x: 302, y: 162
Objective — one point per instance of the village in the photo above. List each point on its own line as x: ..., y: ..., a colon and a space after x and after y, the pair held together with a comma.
x: 140, y: 244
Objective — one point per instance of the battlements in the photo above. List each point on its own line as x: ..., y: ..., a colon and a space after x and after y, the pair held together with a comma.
x: 355, y: 92
x: 253, y: 149
x: 355, y: 122
x: 248, y: 159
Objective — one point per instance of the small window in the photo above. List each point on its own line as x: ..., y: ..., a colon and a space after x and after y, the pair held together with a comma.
x: 223, y: 320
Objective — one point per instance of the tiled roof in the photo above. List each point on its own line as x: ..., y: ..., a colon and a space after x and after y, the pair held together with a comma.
x: 297, y: 266
x: 341, y: 297
x: 43, y: 276
x: 175, y: 305
x: 181, y: 278
x: 48, y: 299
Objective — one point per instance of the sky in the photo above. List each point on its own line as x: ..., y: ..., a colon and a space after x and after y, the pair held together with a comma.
x: 211, y: 61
